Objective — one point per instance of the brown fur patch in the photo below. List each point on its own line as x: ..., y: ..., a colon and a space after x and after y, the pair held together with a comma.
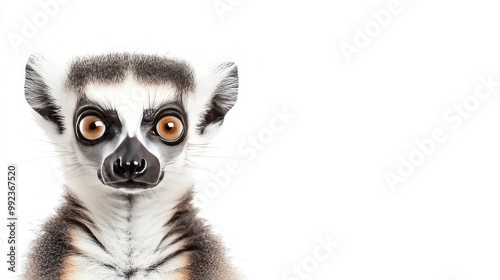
x: 68, y: 269
x: 178, y: 274
x: 182, y: 273
x: 68, y: 265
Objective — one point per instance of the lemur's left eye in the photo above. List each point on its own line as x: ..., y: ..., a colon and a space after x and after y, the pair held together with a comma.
x: 91, y: 127
x: 170, y: 128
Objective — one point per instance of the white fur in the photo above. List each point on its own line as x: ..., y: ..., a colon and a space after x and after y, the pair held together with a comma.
x: 130, y: 98
x: 121, y: 229
x: 130, y: 234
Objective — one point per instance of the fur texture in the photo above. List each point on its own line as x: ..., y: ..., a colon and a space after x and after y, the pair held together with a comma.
x: 103, y: 231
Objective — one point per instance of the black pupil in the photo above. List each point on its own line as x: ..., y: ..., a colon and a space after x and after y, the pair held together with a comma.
x: 93, y: 126
x: 169, y: 126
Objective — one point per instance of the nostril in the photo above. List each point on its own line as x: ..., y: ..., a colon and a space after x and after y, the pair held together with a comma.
x: 118, y: 167
x: 129, y: 169
x: 141, y: 168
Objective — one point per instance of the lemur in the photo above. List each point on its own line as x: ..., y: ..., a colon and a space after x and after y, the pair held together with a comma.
x: 128, y: 125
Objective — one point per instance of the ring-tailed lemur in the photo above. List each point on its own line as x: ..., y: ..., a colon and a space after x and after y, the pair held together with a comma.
x: 128, y: 124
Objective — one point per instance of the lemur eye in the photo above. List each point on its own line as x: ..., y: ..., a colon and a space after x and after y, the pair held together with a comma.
x: 170, y: 128
x: 91, y: 127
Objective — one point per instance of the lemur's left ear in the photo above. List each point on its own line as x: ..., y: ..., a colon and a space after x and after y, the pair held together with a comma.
x: 223, y: 97
x: 38, y: 94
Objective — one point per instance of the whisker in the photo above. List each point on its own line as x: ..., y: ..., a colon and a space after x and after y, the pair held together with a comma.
x: 44, y: 157
x: 221, y: 157
x: 60, y: 177
x: 51, y: 143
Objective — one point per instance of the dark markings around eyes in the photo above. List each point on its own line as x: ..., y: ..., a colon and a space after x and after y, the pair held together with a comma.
x: 150, y: 115
x: 113, y: 68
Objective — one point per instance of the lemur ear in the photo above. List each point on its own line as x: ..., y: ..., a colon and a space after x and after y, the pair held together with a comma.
x: 38, y: 93
x: 223, y: 97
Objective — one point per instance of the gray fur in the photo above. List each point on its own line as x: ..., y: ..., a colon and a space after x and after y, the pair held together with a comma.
x: 113, y: 68
x: 208, y: 260
x: 37, y: 93
x: 53, y: 245
x: 224, y: 97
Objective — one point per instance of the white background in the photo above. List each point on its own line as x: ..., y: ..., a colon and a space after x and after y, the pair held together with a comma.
x: 322, y: 176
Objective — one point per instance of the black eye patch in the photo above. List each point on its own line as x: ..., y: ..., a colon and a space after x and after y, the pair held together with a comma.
x: 108, y: 116
x: 150, y: 116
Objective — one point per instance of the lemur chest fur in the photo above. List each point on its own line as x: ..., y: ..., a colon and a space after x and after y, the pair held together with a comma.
x: 128, y: 238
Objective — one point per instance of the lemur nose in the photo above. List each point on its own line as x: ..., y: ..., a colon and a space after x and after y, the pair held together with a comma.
x: 131, y: 161
x: 130, y: 169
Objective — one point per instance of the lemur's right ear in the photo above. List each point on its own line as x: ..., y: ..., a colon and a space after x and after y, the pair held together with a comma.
x: 38, y: 94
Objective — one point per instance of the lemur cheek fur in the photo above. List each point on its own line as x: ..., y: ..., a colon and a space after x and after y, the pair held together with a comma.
x: 136, y: 123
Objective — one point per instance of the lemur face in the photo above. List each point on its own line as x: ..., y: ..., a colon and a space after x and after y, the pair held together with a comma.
x: 133, y: 134
x: 130, y: 120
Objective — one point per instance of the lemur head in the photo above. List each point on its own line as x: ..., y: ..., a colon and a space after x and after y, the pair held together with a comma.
x: 127, y: 122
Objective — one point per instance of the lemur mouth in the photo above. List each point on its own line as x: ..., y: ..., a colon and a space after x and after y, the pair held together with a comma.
x: 130, y: 184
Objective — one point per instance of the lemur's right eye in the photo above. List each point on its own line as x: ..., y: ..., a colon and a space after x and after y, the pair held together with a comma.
x: 91, y: 127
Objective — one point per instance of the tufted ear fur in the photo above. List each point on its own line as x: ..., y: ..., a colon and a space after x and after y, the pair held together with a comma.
x: 223, y: 97
x: 38, y: 94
